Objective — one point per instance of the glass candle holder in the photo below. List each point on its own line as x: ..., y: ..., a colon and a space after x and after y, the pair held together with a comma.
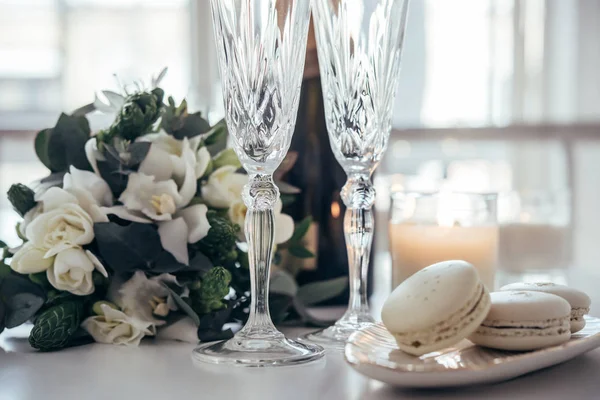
x: 426, y: 228
x: 535, y: 234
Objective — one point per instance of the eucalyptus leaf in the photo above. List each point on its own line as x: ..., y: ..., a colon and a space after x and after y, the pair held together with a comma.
x: 66, y: 143
x: 128, y: 248
x: 185, y: 307
x: 283, y: 283
x: 279, y: 304
x: 309, y: 319
x: 301, y: 229
x: 300, y: 252
x: 41, y: 147
x: 2, y: 315
x: 192, y: 125
x: 226, y: 157
x: 138, y: 152
x: 21, y: 307
x: 317, y: 292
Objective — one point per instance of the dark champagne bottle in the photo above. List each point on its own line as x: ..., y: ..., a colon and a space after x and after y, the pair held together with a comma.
x: 320, y: 177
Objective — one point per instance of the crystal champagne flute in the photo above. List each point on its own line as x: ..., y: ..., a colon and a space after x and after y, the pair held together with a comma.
x: 359, y: 43
x: 261, y: 49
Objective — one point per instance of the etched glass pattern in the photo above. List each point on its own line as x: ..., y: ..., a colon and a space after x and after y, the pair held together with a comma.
x: 359, y: 43
x: 261, y: 46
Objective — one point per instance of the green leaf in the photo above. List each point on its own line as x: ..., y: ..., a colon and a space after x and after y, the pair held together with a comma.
x: 2, y: 244
x: 185, y: 307
x: 226, y: 157
x: 318, y: 292
x: 279, y: 304
x: 22, y: 299
x: 300, y: 252
x: 41, y: 146
x: 287, y: 199
x: 21, y: 308
x: 66, y: 143
x: 217, y: 135
x: 127, y: 248
x: 283, y: 283
x: 211, y: 325
x: 301, y: 229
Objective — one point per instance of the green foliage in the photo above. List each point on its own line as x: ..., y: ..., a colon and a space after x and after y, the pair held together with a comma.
x: 220, y: 243
x: 317, y: 292
x: 62, y: 146
x: 22, y: 198
x: 214, y: 287
x: 121, y: 159
x: 136, y: 118
x: 226, y: 157
x: 21, y: 299
x: 55, y: 327
x: 177, y: 122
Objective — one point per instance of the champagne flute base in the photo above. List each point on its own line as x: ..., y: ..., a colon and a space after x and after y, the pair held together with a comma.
x: 335, y: 336
x: 258, y: 352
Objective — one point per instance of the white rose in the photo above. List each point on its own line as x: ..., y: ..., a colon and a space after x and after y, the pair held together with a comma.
x: 116, y: 327
x: 61, y: 228
x: 72, y: 271
x: 224, y: 187
x: 30, y: 260
x: 284, y: 224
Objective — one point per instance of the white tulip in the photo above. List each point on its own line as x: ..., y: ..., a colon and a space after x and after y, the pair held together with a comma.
x: 224, y: 187
x: 93, y: 155
x: 30, y: 260
x: 116, y: 327
x: 61, y: 228
x: 72, y: 271
x: 284, y: 224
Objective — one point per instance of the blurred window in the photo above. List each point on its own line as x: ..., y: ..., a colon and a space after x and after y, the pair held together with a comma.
x: 54, y: 54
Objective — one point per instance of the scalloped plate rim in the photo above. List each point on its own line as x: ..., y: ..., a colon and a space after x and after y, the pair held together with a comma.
x: 506, y: 367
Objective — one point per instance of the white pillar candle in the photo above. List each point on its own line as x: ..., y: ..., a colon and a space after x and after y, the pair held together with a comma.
x: 415, y: 247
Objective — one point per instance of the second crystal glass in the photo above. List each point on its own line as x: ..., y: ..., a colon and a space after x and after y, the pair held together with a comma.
x: 359, y: 43
x: 261, y: 46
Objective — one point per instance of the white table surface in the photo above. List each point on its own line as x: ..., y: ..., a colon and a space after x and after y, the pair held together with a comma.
x: 165, y: 371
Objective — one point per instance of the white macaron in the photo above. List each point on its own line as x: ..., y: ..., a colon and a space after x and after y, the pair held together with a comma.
x: 579, y: 301
x: 524, y: 321
x: 436, y: 307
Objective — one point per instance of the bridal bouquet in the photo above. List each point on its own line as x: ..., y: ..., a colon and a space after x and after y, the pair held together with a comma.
x: 138, y: 231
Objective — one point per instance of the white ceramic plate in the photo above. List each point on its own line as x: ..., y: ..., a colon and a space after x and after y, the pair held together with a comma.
x: 373, y: 352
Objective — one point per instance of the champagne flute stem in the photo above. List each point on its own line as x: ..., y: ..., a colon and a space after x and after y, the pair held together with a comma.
x: 358, y: 195
x: 260, y: 195
x: 358, y: 231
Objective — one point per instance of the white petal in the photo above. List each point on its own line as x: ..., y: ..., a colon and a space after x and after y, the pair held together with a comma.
x: 56, y: 197
x: 92, y: 154
x: 188, y: 188
x: 90, y: 182
x: 184, y: 330
x: 284, y: 228
x: 202, y: 161
x: 99, y: 267
x: 173, y: 237
x: 30, y: 260
x: 196, y: 221
x: 157, y: 163
x: 123, y: 213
